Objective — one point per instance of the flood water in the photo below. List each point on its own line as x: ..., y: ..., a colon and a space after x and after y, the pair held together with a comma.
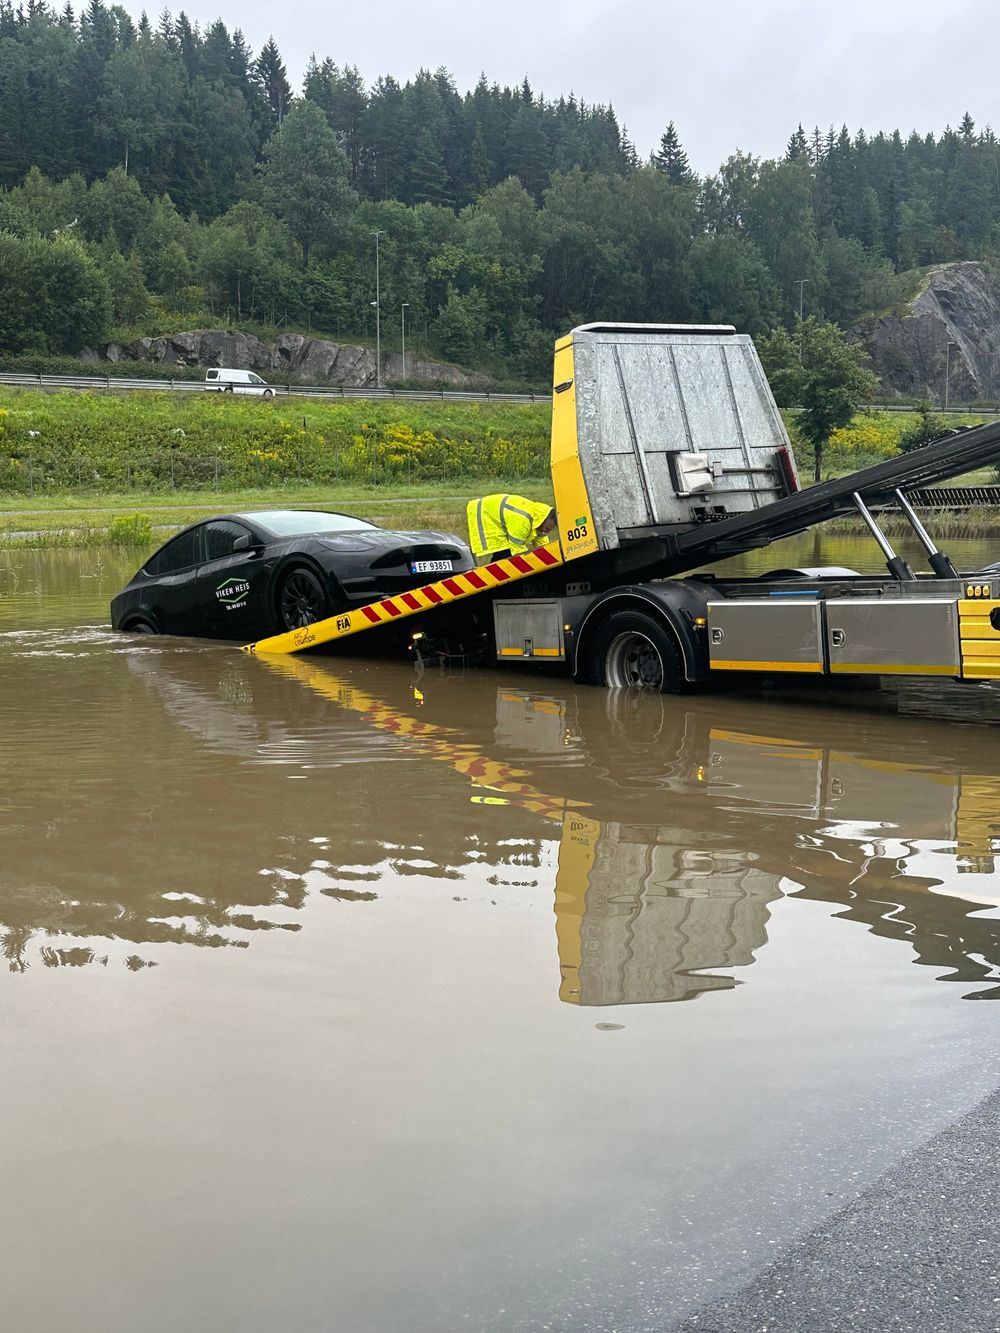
x: 338, y: 996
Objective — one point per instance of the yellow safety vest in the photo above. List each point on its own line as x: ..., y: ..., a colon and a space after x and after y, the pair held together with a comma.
x: 505, y: 523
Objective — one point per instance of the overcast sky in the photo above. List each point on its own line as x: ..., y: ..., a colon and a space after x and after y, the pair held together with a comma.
x: 729, y: 74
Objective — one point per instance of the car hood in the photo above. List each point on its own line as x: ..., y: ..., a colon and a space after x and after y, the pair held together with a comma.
x: 372, y: 541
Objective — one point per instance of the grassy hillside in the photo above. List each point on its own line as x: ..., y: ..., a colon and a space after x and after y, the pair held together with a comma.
x: 102, y: 443
x: 80, y: 469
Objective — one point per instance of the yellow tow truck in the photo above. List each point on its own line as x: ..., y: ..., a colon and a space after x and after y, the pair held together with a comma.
x: 668, y: 454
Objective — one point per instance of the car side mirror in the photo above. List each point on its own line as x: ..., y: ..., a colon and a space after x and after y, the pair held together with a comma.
x: 243, y: 543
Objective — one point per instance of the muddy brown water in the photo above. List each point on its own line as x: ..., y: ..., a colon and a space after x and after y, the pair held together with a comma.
x: 338, y: 996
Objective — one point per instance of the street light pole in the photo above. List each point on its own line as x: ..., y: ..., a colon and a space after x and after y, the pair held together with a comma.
x: 378, y: 317
x: 947, y: 373
x: 402, y: 321
x: 801, y: 284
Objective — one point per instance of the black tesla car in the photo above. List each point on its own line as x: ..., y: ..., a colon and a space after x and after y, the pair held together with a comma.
x: 245, y: 576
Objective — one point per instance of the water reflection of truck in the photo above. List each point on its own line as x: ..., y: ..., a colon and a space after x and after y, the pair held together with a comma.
x: 668, y: 454
x: 676, y: 833
x: 675, y: 829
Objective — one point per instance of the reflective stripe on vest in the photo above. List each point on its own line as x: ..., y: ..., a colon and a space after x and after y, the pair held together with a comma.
x: 506, y: 504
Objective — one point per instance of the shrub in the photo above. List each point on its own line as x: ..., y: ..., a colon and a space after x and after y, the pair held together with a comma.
x: 130, y: 530
x: 928, y: 426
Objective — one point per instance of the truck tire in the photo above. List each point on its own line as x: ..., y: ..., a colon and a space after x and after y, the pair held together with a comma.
x: 631, y: 650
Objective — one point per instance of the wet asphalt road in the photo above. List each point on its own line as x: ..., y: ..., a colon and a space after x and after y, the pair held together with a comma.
x: 918, y: 1252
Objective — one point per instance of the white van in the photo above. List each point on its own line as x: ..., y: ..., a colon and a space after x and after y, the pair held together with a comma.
x: 238, y: 381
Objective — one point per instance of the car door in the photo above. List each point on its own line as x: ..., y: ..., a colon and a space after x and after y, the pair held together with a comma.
x: 233, y: 581
x: 172, y: 595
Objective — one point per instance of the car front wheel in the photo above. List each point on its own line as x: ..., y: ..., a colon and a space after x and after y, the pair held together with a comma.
x: 302, y: 599
x: 140, y: 626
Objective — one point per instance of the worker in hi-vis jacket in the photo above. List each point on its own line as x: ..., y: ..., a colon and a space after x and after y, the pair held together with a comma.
x: 506, y: 524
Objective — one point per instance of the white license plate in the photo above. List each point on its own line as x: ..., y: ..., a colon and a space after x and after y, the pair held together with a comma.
x: 431, y: 567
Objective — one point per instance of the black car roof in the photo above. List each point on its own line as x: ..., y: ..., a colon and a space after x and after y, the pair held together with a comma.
x: 295, y: 522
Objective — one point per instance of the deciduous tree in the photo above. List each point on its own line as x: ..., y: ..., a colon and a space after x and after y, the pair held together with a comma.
x: 306, y: 177
x: 816, y: 370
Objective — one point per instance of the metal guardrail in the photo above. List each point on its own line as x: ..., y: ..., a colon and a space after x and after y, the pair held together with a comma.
x: 124, y: 385
x: 954, y: 497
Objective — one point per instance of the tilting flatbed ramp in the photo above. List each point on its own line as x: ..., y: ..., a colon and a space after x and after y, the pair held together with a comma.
x: 487, y: 578
x: 951, y: 456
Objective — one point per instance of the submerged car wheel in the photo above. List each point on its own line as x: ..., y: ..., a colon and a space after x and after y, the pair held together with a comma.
x: 140, y: 626
x: 301, y: 599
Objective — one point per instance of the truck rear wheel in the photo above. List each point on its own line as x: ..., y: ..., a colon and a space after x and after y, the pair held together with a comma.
x: 632, y: 650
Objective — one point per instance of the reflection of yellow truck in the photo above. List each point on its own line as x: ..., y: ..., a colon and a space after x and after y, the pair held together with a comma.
x: 668, y: 453
x: 650, y: 912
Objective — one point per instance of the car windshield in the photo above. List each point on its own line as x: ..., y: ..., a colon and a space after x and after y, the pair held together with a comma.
x: 290, y: 522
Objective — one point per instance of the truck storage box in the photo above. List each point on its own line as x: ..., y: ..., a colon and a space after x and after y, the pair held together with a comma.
x: 766, y: 634
x: 529, y: 628
x: 915, y: 636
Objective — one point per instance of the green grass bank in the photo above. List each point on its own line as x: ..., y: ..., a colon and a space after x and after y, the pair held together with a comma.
x: 98, y: 444
x: 81, y: 469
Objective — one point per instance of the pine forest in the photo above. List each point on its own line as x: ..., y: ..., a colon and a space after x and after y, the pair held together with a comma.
x: 160, y: 176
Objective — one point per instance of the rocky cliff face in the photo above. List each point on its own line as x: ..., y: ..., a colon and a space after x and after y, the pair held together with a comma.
x: 958, y: 305
x: 290, y: 356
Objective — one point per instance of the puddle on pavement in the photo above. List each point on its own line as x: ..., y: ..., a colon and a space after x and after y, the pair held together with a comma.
x: 337, y: 995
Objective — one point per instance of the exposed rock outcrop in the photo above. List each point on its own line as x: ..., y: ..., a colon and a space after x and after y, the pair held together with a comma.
x: 289, y: 356
x: 958, y: 304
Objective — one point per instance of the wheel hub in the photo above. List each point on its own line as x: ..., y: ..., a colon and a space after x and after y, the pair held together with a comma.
x: 634, y: 663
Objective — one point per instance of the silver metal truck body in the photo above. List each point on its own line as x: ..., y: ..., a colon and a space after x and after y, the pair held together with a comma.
x: 675, y: 425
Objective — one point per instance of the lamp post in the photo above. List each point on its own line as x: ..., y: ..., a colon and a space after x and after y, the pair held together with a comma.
x: 801, y: 282
x: 947, y: 373
x: 378, y: 317
x: 402, y: 325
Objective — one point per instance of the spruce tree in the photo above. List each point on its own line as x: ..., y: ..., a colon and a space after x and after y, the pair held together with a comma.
x: 672, y: 159
x: 269, y: 69
x: 798, y: 146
